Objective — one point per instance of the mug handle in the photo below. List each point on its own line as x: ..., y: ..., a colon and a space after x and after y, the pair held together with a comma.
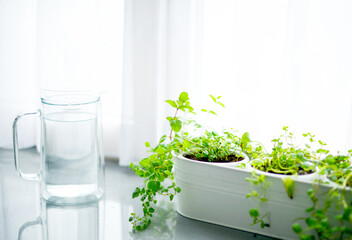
x: 22, y: 229
x: 26, y: 176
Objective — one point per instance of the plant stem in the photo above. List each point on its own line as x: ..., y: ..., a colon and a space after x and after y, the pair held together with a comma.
x: 171, y: 128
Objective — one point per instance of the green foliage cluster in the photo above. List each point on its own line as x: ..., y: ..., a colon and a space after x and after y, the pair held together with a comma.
x: 213, y: 147
x: 338, y: 170
x: 290, y: 159
x: 323, y: 225
x: 156, y: 169
x: 259, y: 180
x: 286, y: 158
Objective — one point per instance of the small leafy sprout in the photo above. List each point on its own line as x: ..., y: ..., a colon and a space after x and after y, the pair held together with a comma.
x: 216, y: 101
x: 182, y: 104
x: 258, y: 181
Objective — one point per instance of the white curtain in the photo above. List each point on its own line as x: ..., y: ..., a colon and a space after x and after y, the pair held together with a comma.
x: 59, y: 45
x: 275, y: 62
x: 160, y: 40
x: 281, y: 63
x: 17, y: 69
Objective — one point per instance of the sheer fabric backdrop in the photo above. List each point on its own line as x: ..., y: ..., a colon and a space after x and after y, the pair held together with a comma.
x: 281, y: 63
x: 59, y: 45
x: 161, y: 38
x: 274, y: 62
x: 18, y: 90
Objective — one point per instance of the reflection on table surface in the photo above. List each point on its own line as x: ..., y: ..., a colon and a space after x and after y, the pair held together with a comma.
x: 23, y: 215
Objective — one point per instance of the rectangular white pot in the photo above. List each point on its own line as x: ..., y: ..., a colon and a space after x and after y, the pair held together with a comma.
x: 216, y: 193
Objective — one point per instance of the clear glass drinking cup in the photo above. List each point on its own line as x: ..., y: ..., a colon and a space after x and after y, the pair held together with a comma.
x: 72, y: 163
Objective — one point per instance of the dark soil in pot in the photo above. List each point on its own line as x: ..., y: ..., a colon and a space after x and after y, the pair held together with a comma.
x: 301, y: 171
x: 229, y: 158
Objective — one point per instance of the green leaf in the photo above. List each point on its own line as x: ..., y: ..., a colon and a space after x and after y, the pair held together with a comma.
x: 214, y: 99
x: 312, y: 222
x: 153, y: 185
x: 296, y: 228
x: 172, y: 103
x: 306, y: 237
x: 144, y: 162
x: 310, y: 192
x: 186, y: 143
x: 289, y: 186
x: 176, y: 125
x: 262, y: 224
x: 162, y: 139
x: 147, y: 144
x: 254, y: 213
x: 212, y: 112
x: 221, y: 104
x: 136, y: 193
x: 310, y: 209
x: 245, y: 138
x: 183, y: 97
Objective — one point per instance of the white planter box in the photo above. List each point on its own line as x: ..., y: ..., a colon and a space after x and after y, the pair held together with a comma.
x: 216, y: 193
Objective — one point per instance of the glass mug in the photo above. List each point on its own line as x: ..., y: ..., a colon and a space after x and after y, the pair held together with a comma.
x: 72, y: 163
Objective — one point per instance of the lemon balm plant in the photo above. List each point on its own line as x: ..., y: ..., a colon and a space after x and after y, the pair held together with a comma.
x: 157, y: 168
x: 330, y: 213
x: 288, y: 158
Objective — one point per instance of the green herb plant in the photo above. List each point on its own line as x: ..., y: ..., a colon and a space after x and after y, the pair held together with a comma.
x: 320, y: 222
x: 289, y: 159
x: 157, y: 168
x: 286, y: 158
x: 262, y: 184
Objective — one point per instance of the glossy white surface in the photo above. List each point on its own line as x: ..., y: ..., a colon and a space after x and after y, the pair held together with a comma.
x: 21, y: 211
